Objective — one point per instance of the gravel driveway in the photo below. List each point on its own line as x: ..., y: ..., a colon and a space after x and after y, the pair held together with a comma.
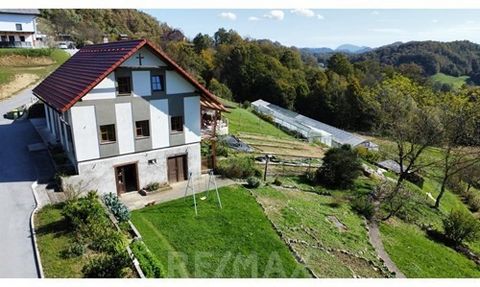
x: 17, y: 173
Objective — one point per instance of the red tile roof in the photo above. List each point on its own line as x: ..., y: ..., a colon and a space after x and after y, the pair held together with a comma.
x: 91, y: 64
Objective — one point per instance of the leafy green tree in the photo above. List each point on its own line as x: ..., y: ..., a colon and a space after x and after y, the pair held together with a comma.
x: 220, y: 89
x: 340, y: 64
x: 341, y: 166
x: 202, y: 42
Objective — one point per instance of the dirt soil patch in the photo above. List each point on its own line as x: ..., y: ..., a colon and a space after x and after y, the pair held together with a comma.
x: 21, y: 61
x: 19, y: 82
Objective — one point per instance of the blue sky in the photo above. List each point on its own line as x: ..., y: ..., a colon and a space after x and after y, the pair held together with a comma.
x: 329, y: 28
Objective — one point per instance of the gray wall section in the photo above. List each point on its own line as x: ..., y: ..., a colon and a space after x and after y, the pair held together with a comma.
x: 105, y: 115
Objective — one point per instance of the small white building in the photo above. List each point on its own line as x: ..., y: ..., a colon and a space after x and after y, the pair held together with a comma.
x: 18, y: 28
x: 126, y: 115
x: 311, y: 129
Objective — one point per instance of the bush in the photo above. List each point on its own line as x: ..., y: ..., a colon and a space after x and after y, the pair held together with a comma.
x: 277, y: 182
x: 81, y: 211
x: 340, y: 168
x: 152, y: 186
x: 364, y: 206
x: 107, y: 266
x: 149, y: 264
x: 105, y: 239
x: 367, y: 155
x: 461, y: 226
x: 253, y: 182
x: 74, y: 250
x: 237, y: 167
x: 246, y: 104
x: 119, y: 210
x: 474, y: 202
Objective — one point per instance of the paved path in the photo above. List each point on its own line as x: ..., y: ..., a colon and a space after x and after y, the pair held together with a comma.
x: 16, y: 199
x: 376, y: 240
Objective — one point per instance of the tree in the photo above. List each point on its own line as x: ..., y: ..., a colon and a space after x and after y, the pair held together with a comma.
x: 340, y: 64
x: 458, y: 119
x: 341, y: 166
x: 461, y: 226
x: 411, y: 127
x: 220, y: 89
x: 202, y: 42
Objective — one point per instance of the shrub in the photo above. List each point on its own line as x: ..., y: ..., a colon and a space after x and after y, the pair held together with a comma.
x: 277, y: 182
x: 107, y: 266
x: 246, y: 104
x: 152, y: 186
x: 474, y: 202
x: 119, y: 210
x: 237, y: 167
x: 461, y: 226
x: 74, y: 250
x: 364, y: 206
x: 253, y: 182
x: 340, y: 168
x: 105, y: 239
x: 81, y: 211
x: 370, y: 156
x: 149, y: 264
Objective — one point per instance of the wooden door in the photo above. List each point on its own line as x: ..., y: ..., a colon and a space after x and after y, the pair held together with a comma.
x: 120, y: 179
x: 177, y: 168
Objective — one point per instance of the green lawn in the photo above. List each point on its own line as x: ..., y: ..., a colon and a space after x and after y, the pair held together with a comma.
x: 456, y: 82
x: 52, y: 239
x: 307, y: 217
x: 244, y: 121
x: 236, y: 241
x: 420, y: 257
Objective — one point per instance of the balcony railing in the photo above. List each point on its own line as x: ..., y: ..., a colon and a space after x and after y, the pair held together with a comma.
x: 221, y: 128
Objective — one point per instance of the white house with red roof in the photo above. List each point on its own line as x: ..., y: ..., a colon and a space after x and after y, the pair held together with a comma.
x: 126, y: 115
x: 18, y: 28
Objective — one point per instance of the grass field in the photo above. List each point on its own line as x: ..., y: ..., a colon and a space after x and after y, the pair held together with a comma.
x: 455, y: 82
x: 243, y: 121
x: 309, y: 217
x: 52, y: 239
x: 420, y: 257
x: 236, y: 241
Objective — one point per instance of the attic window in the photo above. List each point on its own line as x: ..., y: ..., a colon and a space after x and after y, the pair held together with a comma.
x: 18, y: 27
x: 157, y: 83
x: 124, y: 85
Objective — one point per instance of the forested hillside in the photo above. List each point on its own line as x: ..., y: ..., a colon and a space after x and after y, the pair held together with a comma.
x: 456, y: 58
x: 348, y: 94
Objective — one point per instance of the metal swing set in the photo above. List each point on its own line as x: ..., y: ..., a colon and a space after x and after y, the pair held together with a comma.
x: 191, y: 188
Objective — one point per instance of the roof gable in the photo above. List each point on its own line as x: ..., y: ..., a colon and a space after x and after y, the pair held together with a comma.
x: 91, y: 64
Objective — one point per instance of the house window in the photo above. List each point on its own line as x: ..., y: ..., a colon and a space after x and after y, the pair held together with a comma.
x: 142, y: 129
x: 107, y: 134
x: 18, y: 27
x: 124, y: 85
x: 11, y: 39
x: 22, y: 38
x: 157, y: 83
x: 4, y: 38
x: 176, y: 123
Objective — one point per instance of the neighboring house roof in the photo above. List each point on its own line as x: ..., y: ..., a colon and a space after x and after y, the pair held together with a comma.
x: 91, y: 64
x: 20, y: 11
x: 338, y: 135
x: 390, y: 165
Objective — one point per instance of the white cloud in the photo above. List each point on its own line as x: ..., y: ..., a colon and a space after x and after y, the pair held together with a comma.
x: 228, y: 16
x: 303, y: 12
x: 320, y: 17
x: 275, y: 14
x: 253, y: 18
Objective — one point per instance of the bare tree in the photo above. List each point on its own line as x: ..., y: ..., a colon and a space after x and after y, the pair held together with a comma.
x: 459, y: 122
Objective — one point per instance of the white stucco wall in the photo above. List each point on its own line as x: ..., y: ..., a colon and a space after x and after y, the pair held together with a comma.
x: 176, y: 84
x: 8, y: 21
x: 149, y: 59
x: 104, y: 90
x: 100, y: 174
x: 159, y: 127
x: 141, y: 83
x: 125, y: 131
x: 84, y: 126
x: 192, y: 119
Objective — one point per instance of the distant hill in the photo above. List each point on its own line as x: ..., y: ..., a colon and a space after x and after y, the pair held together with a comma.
x: 352, y: 49
x: 455, y: 58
